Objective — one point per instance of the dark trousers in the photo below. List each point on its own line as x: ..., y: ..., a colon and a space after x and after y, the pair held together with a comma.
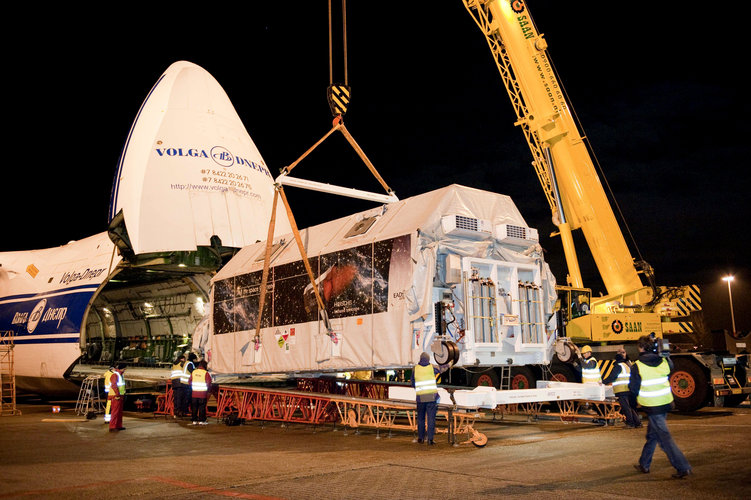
x: 198, y: 409
x: 177, y: 399
x: 182, y: 399
x: 627, y: 409
x: 426, y: 411
x: 658, y: 433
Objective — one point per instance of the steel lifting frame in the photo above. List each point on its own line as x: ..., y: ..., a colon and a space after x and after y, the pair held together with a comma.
x: 314, y: 408
x: 275, y: 405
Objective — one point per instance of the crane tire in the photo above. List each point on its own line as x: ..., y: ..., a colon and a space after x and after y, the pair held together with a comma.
x: 689, y: 384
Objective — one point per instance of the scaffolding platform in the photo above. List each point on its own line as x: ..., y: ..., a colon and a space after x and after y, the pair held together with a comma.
x: 7, y: 375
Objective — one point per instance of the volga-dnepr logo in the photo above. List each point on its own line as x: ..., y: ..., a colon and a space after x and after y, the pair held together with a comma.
x: 40, y: 315
x: 218, y: 154
x: 36, y: 315
x: 222, y: 156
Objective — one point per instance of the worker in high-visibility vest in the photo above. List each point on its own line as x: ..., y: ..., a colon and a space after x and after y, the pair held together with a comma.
x: 200, y: 385
x: 619, y: 377
x: 185, y: 381
x: 424, y: 376
x: 116, y: 396
x: 177, y: 387
x: 107, y: 408
x: 650, y: 382
x: 590, y: 372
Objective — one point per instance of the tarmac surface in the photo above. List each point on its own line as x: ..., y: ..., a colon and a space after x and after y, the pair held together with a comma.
x: 63, y: 455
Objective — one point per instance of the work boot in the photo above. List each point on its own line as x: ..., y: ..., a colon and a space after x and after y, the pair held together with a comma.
x: 682, y: 474
x: 641, y: 469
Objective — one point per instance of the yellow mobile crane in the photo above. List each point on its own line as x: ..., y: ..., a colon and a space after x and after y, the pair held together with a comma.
x: 574, y: 191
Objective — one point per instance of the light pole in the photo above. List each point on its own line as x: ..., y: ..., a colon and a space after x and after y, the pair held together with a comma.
x: 729, y: 279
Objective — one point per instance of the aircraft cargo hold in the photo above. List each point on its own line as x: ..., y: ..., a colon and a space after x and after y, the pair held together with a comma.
x: 456, y: 272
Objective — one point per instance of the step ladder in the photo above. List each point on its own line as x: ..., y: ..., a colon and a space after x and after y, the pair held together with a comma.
x: 7, y: 375
x: 505, y: 378
x: 89, y: 400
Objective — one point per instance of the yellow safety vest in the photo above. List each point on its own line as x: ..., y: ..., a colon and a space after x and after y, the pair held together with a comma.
x: 621, y: 381
x: 655, y: 384
x: 425, y: 380
x: 107, y: 377
x: 177, y: 372
x: 590, y: 375
x: 199, y: 381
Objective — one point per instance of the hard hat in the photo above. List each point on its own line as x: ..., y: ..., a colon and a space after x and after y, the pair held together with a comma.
x: 586, y: 348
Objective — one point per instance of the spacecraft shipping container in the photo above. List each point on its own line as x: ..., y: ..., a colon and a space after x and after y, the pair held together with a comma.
x: 455, y: 272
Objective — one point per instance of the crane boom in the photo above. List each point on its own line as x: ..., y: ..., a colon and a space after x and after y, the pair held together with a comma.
x: 546, y: 120
x: 565, y: 168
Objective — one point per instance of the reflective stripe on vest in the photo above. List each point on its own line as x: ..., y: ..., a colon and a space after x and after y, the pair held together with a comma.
x: 655, y: 384
x: 621, y: 382
x: 590, y: 375
x: 177, y: 371
x: 185, y: 376
x: 120, y: 382
x: 107, y: 377
x: 199, y: 381
x: 425, y: 380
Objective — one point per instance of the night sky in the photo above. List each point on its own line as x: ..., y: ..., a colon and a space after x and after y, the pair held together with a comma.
x: 657, y: 87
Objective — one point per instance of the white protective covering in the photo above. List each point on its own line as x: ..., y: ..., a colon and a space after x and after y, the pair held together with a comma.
x: 376, y: 287
x: 189, y: 170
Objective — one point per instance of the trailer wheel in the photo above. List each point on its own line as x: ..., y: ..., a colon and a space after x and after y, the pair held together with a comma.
x: 735, y: 400
x: 564, y: 373
x: 449, y: 353
x: 488, y: 378
x: 689, y: 385
x: 479, y: 439
x: 522, y: 378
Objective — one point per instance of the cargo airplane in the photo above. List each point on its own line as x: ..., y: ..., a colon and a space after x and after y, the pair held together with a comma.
x: 190, y: 189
